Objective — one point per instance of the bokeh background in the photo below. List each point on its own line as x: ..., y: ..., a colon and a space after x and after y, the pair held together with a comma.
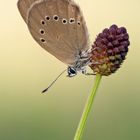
x: 26, y: 69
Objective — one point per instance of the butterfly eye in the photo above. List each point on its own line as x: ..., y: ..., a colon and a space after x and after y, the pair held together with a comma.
x: 42, y: 32
x: 79, y: 23
x: 47, y: 18
x: 42, y: 40
x: 72, y: 20
x: 64, y: 21
x: 42, y: 22
x: 55, y: 17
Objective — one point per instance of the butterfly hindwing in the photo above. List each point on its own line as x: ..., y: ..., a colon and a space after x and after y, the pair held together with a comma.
x: 23, y: 6
x: 58, y: 26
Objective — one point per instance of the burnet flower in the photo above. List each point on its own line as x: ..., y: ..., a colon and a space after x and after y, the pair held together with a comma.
x: 109, y: 50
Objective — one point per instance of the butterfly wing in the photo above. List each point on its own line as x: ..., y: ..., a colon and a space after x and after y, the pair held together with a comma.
x: 59, y: 27
x: 23, y: 6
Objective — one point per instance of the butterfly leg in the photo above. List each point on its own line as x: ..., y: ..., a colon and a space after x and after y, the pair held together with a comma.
x: 84, y: 70
x: 88, y: 74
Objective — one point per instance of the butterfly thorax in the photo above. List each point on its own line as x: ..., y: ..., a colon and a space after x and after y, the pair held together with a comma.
x: 83, y: 59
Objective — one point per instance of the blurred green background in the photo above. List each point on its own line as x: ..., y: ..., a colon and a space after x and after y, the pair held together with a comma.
x: 26, y: 69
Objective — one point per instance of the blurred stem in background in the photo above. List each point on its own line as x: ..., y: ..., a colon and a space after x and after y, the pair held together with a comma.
x: 87, y: 109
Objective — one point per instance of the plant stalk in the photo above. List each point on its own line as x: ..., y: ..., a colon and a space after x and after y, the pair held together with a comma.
x: 87, y: 109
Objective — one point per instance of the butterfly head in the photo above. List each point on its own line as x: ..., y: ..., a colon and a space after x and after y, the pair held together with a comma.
x: 71, y: 71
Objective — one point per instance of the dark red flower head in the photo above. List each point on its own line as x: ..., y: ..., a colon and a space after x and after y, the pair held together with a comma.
x: 109, y: 50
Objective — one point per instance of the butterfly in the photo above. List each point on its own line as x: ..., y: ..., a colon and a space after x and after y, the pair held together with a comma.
x: 59, y: 27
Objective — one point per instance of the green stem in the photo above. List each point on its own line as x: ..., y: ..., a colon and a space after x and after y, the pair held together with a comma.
x: 87, y: 109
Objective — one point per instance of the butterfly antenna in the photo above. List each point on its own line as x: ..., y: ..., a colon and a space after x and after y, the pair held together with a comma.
x: 45, y: 90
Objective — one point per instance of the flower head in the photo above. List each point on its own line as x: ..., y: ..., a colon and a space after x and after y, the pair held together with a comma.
x: 109, y: 50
